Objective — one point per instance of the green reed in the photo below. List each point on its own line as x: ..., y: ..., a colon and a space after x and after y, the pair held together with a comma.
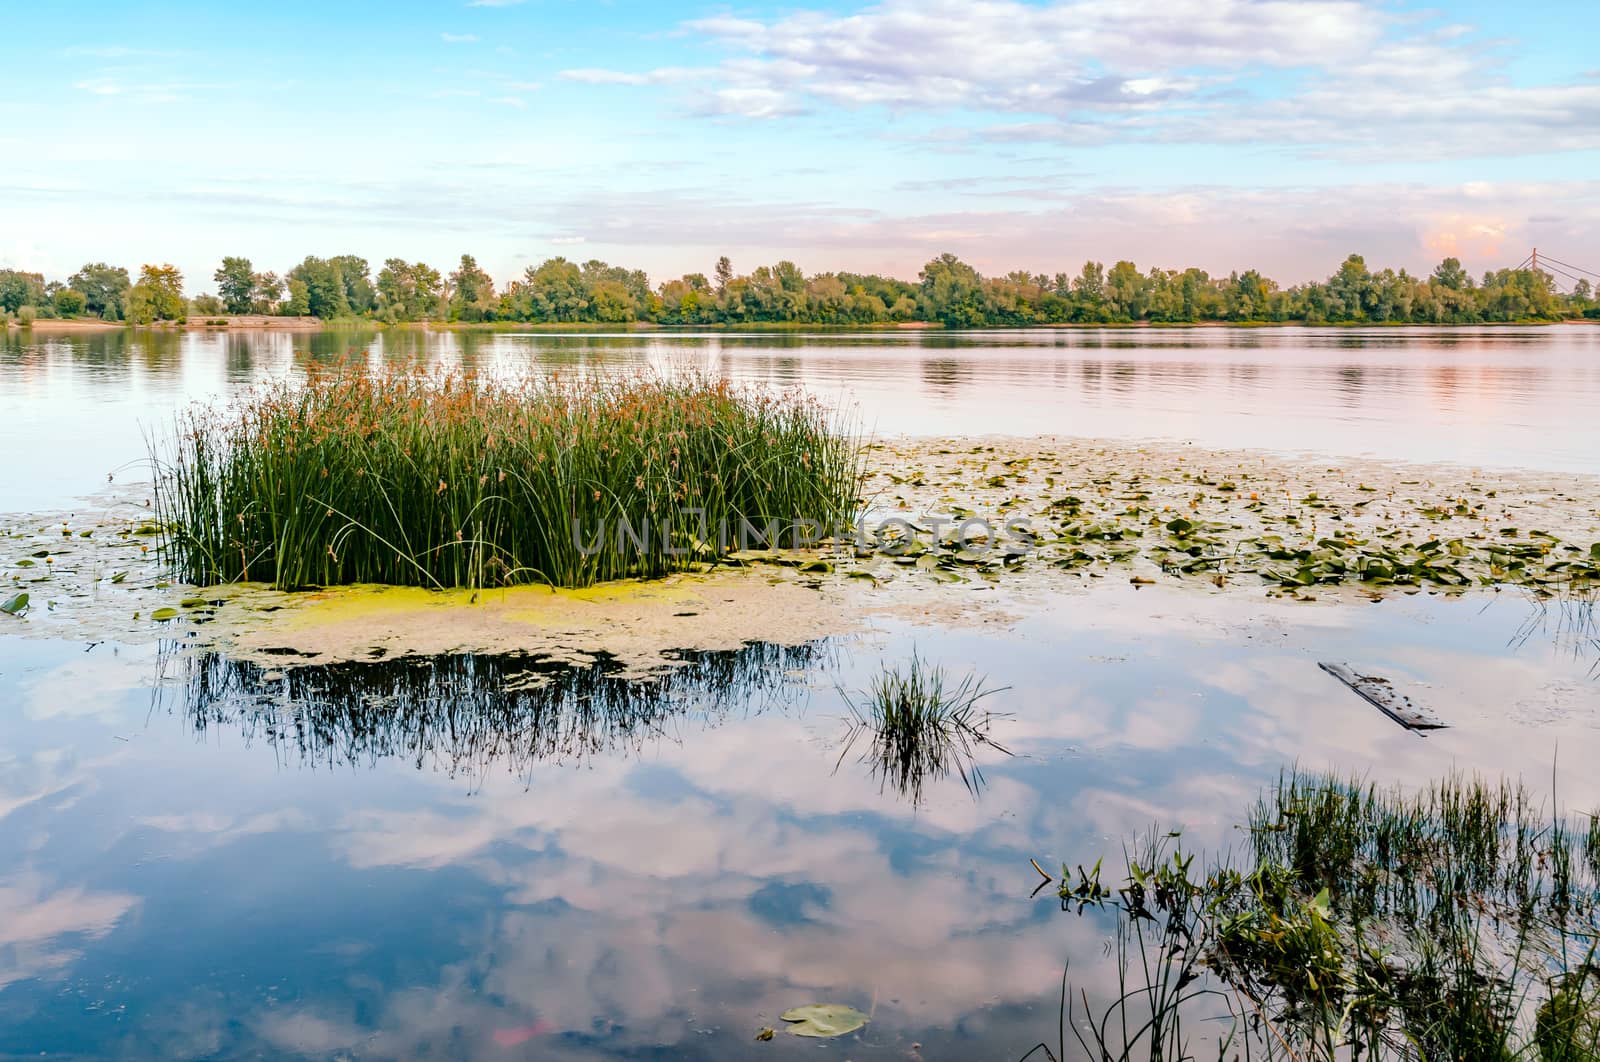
x: 922, y: 725
x: 1458, y: 920
x: 448, y: 480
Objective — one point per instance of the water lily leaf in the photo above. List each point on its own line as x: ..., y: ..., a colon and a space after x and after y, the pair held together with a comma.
x: 117, y: 577
x: 15, y: 605
x: 764, y: 1034
x: 161, y: 615
x: 824, y: 1019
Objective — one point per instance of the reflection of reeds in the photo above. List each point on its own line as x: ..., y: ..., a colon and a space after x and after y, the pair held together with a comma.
x: 1567, y: 620
x: 922, y: 725
x: 447, y: 480
x: 462, y: 713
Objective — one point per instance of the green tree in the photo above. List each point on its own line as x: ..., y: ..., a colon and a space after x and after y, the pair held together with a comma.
x: 70, y: 302
x: 360, y: 297
x: 472, y: 292
x: 409, y: 290
x: 554, y: 291
x: 1449, y: 274
x: 266, y: 291
x: 1126, y: 292
x: 19, y: 289
x: 104, y: 288
x: 1089, y: 293
x: 724, y: 274
x: 158, y: 295
x: 298, y: 303
x: 952, y: 292
x: 236, y: 284
x: 325, y: 291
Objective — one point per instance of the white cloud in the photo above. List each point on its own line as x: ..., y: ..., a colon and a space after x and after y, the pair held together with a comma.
x: 138, y: 91
x: 664, y: 75
x: 1351, y: 75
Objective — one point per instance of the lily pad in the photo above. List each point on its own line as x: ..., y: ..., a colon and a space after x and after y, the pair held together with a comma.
x: 15, y: 605
x: 161, y: 615
x: 824, y: 1019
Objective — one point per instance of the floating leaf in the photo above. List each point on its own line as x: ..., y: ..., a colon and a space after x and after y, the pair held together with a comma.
x: 15, y: 605
x: 764, y: 1034
x: 824, y: 1019
x: 161, y: 615
x: 117, y: 577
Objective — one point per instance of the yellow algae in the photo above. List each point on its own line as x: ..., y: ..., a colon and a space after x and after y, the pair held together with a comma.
x: 635, y: 623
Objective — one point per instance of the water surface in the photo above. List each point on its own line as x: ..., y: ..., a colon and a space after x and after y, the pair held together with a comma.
x: 74, y: 409
x: 498, y: 857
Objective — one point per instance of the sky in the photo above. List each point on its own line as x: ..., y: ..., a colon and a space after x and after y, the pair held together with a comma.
x: 1227, y: 134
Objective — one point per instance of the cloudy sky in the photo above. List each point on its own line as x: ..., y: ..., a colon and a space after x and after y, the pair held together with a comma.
x: 1221, y: 133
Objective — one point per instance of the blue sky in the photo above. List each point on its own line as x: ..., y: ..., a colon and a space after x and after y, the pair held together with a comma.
x: 1222, y: 133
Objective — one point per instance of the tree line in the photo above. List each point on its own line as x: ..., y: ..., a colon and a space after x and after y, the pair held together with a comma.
x: 948, y: 291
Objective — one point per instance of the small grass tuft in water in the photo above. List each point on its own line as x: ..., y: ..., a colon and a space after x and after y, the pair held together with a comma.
x: 449, y: 480
x: 922, y: 724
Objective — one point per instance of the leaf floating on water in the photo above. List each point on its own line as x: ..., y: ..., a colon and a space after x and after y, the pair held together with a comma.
x: 117, y: 577
x: 764, y: 1034
x: 15, y: 605
x: 161, y: 615
x: 824, y: 1019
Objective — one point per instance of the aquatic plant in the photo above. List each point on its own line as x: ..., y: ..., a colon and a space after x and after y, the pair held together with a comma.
x: 922, y: 724
x: 454, y: 480
x: 1460, y: 920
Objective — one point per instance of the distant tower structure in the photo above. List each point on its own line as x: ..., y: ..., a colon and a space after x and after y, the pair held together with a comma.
x: 1535, y: 259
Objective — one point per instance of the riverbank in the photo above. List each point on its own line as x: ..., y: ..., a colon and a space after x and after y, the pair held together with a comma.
x: 265, y: 322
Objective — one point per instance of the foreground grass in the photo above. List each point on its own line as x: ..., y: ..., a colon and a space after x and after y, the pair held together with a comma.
x: 1461, y: 921
x: 450, y: 481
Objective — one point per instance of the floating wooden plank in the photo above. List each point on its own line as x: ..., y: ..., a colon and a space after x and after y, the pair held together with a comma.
x: 1381, y: 694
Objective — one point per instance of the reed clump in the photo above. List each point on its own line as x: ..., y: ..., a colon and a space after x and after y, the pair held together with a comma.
x: 921, y: 723
x: 452, y: 480
x: 1459, y: 920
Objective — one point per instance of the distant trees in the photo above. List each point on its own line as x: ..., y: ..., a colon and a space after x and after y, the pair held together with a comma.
x: 472, y: 296
x: 947, y: 291
x: 408, y: 291
x: 19, y: 289
x: 952, y: 292
x: 236, y: 285
x: 158, y: 295
x: 104, y: 288
x: 70, y: 303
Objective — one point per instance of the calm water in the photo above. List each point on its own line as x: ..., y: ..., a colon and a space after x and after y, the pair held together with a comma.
x: 493, y: 859
x: 73, y: 410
